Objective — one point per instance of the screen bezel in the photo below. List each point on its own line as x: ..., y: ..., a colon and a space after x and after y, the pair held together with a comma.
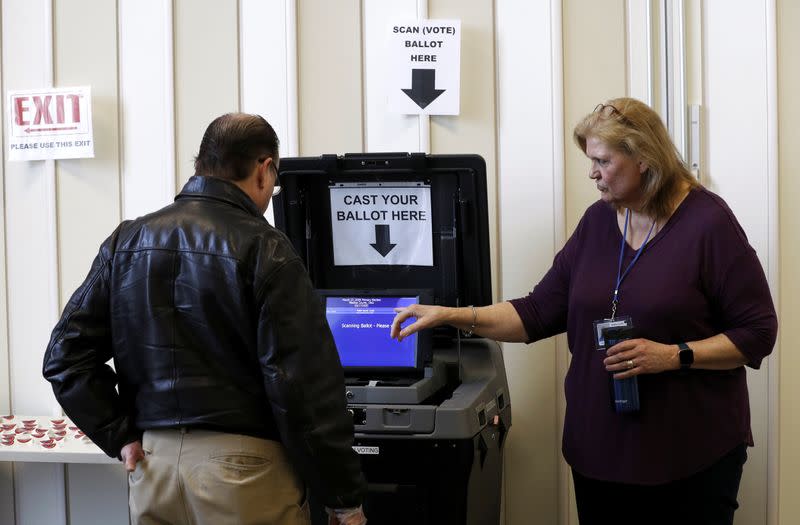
x: 424, y: 348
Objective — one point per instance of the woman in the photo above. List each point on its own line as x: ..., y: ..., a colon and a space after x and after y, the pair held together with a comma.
x: 694, y: 292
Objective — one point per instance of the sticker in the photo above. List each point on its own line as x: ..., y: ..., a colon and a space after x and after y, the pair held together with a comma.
x: 367, y: 451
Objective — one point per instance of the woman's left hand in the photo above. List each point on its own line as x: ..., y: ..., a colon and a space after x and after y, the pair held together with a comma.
x: 640, y: 356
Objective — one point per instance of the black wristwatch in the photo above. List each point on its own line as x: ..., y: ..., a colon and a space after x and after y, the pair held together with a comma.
x: 685, y: 355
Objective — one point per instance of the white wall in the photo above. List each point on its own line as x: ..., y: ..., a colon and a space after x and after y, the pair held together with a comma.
x: 32, y: 273
x: 741, y: 165
x: 530, y: 165
x: 785, y: 489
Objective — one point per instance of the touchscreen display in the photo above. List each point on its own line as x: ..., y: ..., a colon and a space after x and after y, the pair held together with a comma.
x: 361, y: 327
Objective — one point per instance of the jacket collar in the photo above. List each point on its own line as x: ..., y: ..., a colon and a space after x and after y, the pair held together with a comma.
x: 199, y: 186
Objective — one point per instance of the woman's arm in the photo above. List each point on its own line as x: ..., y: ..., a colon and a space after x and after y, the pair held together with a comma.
x: 542, y: 313
x: 499, y: 321
x: 715, y: 353
x: 648, y: 357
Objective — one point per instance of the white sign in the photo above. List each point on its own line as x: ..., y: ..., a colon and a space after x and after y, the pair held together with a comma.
x: 381, y: 224
x: 54, y: 123
x: 424, y: 67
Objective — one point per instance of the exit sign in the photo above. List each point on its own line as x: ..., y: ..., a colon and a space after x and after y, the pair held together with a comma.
x: 53, y: 123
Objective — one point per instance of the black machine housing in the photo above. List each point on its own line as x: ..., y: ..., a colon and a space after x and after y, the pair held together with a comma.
x: 430, y: 439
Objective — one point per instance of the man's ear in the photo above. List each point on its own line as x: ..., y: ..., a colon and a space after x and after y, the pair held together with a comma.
x: 262, y: 172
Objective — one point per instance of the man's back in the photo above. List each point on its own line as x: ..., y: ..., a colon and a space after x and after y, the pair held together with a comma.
x: 185, y: 300
x: 213, y: 324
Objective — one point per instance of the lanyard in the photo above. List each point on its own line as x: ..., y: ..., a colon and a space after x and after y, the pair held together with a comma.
x: 620, y: 275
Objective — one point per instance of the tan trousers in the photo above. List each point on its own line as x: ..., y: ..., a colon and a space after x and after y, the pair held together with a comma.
x: 203, y: 477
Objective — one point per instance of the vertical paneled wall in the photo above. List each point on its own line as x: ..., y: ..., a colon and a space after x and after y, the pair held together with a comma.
x: 268, y: 65
x: 6, y: 469
x: 206, y: 72
x: 788, y: 20
x: 146, y: 108
x: 329, y: 67
x: 472, y: 131
x: 31, y: 259
x: 530, y: 228
x: 81, y: 181
x: 159, y: 70
x: 594, y: 71
x: 93, y: 490
x: 268, y: 68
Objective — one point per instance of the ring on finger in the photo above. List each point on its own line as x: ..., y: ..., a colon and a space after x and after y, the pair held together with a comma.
x: 631, y: 364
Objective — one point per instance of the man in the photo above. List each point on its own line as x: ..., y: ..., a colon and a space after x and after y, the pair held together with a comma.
x: 229, y: 381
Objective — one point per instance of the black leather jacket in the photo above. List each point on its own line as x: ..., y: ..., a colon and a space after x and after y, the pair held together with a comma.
x: 212, y: 322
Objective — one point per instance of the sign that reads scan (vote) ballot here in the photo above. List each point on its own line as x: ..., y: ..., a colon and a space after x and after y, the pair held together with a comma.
x: 51, y: 123
x: 381, y: 224
x: 424, y: 67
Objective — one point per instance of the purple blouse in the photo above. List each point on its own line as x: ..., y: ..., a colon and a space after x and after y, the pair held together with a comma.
x: 696, y: 278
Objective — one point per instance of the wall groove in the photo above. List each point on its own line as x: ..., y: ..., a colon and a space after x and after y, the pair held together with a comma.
x: 7, y: 483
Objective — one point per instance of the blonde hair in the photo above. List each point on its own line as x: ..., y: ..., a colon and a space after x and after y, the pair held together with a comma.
x: 633, y: 128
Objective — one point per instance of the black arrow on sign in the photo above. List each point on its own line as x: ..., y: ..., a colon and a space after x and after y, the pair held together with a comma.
x: 423, y: 84
x: 382, y: 243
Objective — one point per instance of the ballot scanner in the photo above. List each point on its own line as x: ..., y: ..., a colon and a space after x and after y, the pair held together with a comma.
x: 431, y: 413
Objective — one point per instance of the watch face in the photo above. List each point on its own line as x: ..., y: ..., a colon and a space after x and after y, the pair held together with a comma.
x: 686, y: 355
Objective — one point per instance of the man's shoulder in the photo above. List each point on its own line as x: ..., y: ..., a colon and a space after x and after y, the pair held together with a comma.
x: 192, y: 226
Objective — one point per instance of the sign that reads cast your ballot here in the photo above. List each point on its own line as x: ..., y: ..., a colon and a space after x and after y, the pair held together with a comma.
x: 384, y: 224
x: 51, y: 123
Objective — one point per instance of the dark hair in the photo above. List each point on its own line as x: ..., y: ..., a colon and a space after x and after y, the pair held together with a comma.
x: 633, y: 128
x: 232, y: 143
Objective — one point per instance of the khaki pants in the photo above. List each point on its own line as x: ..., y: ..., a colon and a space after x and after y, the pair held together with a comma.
x: 203, y: 477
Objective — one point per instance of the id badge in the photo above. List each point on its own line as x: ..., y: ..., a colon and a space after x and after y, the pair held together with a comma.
x: 601, y: 325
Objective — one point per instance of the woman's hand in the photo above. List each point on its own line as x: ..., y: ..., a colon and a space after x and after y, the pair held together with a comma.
x: 640, y: 356
x: 427, y: 316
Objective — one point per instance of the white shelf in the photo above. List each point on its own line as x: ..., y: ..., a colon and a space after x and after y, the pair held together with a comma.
x: 70, y: 449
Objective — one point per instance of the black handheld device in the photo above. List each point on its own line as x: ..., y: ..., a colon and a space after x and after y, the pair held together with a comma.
x: 625, y: 391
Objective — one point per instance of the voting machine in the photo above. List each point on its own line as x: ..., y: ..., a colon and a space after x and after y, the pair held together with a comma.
x: 431, y: 413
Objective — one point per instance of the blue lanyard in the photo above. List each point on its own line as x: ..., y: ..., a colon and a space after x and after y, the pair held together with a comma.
x: 620, y: 275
